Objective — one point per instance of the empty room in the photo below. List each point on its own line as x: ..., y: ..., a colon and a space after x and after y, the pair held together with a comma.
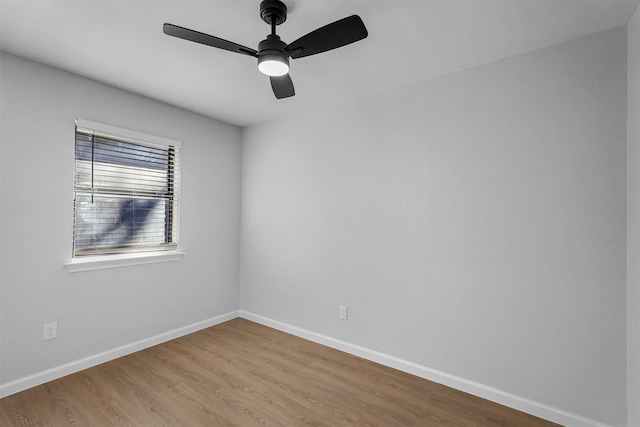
x: 336, y: 212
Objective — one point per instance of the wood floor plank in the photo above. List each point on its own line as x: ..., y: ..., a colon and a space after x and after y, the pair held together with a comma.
x: 370, y: 397
x: 104, y: 406
x: 300, y: 412
x: 240, y: 373
x: 307, y: 392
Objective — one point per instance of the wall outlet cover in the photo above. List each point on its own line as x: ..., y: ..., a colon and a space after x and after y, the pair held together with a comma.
x: 344, y: 312
x: 50, y: 331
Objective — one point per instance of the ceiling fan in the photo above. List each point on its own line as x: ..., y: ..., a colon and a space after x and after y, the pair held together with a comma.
x: 273, y: 54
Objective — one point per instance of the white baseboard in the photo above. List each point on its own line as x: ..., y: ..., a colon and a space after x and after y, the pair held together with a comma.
x: 88, y: 362
x: 522, y: 404
x: 507, y: 399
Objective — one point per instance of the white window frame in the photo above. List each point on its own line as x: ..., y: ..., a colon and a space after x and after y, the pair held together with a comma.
x: 95, y: 262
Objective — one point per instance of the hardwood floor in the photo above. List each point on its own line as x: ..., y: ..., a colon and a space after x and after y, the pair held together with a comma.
x: 240, y: 373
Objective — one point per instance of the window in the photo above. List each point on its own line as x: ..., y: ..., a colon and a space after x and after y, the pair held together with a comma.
x: 126, y: 191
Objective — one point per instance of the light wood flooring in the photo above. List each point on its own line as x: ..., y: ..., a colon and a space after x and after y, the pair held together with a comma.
x: 240, y: 373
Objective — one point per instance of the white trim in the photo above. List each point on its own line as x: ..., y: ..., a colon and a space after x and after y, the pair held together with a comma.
x: 516, y: 402
x: 90, y: 361
x: 121, y: 260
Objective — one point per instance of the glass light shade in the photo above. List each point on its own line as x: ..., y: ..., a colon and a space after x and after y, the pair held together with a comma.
x: 273, y: 65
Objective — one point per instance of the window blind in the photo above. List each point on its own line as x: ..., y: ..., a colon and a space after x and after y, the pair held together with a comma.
x: 126, y: 193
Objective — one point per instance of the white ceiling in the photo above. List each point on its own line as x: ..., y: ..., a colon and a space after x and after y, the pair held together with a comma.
x: 121, y: 43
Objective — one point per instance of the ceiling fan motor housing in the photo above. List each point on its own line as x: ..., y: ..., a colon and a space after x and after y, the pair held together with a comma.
x: 272, y: 49
x: 272, y: 45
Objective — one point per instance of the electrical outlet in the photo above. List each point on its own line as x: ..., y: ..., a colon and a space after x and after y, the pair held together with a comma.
x: 50, y: 331
x: 344, y: 312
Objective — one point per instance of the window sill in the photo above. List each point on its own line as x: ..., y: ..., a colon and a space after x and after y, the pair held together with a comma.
x: 114, y: 261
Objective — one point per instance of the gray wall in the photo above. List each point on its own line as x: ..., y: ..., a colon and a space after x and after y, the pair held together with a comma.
x: 101, y: 310
x: 474, y: 224
x: 633, y: 219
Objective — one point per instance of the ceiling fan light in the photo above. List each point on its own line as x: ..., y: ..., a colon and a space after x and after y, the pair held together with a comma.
x: 273, y: 65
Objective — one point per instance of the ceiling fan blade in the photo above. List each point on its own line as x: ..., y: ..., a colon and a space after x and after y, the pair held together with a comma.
x: 337, y: 34
x: 206, y: 39
x: 282, y: 86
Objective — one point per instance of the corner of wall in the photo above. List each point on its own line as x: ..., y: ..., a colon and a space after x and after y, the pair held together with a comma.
x: 633, y: 219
